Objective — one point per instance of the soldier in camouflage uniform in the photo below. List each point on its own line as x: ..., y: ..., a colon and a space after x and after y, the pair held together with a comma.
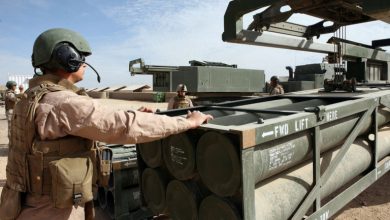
x: 181, y: 100
x: 10, y: 101
x: 275, y: 87
x: 51, y: 170
x: 21, y: 89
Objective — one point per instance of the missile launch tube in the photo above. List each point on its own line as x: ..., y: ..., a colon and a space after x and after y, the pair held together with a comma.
x: 269, y: 161
x: 259, y: 105
x: 151, y: 152
x: 240, y: 118
x: 179, y: 150
x: 278, y: 197
x: 183, y: 199
x: 220, y: 170
x: 153, y: 184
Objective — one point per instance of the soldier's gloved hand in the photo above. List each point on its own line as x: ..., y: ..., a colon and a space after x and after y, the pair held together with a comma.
x: 145, y: 109
x: 197, y: 118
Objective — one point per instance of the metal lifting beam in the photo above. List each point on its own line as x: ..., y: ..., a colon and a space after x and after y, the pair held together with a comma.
x: 297, y: 37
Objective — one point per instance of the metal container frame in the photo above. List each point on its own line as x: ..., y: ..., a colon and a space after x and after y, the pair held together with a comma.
x: 249, y: 136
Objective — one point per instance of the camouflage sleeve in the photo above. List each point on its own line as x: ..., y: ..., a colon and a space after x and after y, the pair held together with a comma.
x: 272, y: 91
x: 190, y: 104
x: 170, y: 103
x: 84, y: 117
x: 11, y: 96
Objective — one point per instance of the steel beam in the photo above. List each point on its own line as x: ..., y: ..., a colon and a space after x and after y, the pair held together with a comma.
x: 333, y: 206
x: 248, y: 184
x: 277, y: 197
x: 282, y: 41
x: 311, y: 197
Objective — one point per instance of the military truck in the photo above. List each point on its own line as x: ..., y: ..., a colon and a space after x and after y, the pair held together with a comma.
x: 209, y: 82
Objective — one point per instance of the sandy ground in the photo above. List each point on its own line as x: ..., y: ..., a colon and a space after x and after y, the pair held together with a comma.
x: 3, y: 146
x: 374, y: 203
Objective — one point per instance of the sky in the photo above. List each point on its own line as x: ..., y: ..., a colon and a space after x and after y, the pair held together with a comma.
x: 162, y: 32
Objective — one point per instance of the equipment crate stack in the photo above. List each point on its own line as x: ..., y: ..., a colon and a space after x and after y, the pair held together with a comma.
x: 270, y: 158
x: 121, y: 197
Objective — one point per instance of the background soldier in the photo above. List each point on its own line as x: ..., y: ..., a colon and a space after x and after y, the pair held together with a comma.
x: 21, y: 89
x: 181, y: 100
x: 275, y: 87
x: 52, y: 131
x: 10, y: 101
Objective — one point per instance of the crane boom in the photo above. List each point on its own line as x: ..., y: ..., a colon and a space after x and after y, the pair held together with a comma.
x: 274, y: 19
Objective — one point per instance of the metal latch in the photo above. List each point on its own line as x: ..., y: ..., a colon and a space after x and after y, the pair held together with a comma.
x: 318, y: 110
x: 77, y: 197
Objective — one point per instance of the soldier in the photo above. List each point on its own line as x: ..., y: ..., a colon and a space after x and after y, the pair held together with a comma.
x: 10, y: 101
x: 21, y: 89
x: 180, y: 101
x: 51, y: 160
x: 275, y: 87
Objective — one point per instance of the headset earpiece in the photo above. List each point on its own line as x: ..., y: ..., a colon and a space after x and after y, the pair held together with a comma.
x: 68, y: 57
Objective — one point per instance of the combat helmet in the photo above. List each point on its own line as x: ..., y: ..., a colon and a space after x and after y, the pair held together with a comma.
x: 181, y: 88
x: 274, y: 79
x: 10, y: 84
x: 46, y: 42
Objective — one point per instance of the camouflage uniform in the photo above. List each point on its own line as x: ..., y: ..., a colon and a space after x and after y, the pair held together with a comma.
x: 62, y: 114
x: 277, y: 90
x: 10, y: 101
x: 52, y: 156
x: 180, y: 101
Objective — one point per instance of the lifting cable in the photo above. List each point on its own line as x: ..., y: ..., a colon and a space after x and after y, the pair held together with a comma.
x: 339, y: 49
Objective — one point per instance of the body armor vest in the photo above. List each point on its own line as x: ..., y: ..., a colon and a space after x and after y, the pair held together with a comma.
x: 278, y: 89
x: 181, y: 102
x: 29, y: 157
x: 9, y: 104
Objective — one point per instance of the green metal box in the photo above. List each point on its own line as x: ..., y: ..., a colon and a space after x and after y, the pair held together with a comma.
x: 293, y: 86
x: 219, y: 79
x: 318, y: 79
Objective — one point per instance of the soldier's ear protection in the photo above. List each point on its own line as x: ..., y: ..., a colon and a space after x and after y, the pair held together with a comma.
x: 68, y: 57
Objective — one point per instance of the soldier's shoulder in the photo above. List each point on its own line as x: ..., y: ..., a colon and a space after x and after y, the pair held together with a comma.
x: 61, y: 95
